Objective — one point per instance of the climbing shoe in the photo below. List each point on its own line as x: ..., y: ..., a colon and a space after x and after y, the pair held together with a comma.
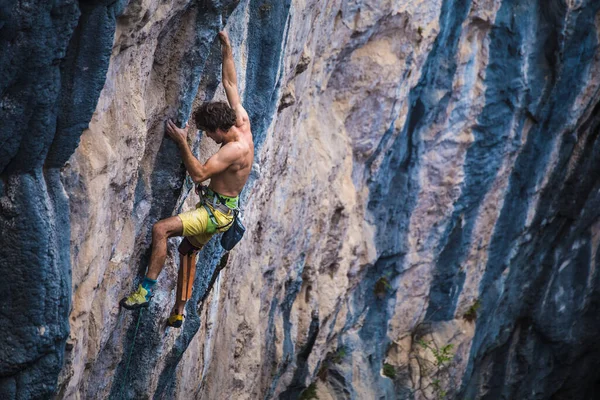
x: 175, y: 320
x: 138, y: 299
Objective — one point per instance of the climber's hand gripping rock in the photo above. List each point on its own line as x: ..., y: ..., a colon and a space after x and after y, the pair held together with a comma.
x: 179, y: 135
x: 224, y: 38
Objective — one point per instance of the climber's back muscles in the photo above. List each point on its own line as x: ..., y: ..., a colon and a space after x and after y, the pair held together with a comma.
x: 237, y: 156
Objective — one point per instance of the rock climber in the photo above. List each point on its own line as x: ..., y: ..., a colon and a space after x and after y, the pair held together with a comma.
x: 228, y: 170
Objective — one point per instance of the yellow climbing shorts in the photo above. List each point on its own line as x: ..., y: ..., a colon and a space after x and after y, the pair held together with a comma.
x: 198, y: 227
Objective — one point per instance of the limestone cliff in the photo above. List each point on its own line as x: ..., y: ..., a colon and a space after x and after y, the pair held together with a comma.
x: 423, y: 213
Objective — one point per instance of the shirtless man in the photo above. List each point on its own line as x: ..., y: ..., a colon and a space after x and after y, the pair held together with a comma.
x: 228, y: 171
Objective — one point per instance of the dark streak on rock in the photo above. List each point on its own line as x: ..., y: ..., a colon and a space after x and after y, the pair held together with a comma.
x: 52, y: 68
x: 540, y: 300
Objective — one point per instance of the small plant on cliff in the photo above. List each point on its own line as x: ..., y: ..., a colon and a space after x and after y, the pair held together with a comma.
x: 435, y: 380
x: 309, y: 393
x: 382, y: 286
x: 339, y: 355
x: 264, y: 9
x: 330, y: 359
x: 323, y: 370
x: 389, y: 371
x: 442, y: 355
x: 420, y: 32
x: 471, y: 314
x: 437, y: 388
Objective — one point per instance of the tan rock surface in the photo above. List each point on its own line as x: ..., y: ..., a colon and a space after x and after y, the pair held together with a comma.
x: 316, y: 285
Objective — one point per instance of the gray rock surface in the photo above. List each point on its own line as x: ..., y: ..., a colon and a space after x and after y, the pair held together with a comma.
x: 422, y: 214
x: 53, y: 62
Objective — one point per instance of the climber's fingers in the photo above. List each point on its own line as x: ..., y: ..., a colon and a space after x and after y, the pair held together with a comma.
x: 224, y: 37
x: 170, y: 127
x: 175, y: 132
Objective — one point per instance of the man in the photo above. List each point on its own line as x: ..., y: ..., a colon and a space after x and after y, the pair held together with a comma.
x: 228, y: 171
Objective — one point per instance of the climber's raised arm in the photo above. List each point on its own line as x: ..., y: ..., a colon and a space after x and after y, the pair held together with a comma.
x: 230, y: 81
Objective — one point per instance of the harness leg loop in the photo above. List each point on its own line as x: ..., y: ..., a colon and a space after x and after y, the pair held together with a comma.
x: 187, y: 270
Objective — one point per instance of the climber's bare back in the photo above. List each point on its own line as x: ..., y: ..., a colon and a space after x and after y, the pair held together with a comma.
x: 231, y: 181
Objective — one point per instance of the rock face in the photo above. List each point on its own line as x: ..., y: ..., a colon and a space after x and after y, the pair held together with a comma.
x: 53, y: 62
x: 423, y: 213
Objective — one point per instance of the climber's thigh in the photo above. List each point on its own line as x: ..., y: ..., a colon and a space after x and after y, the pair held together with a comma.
x: 195, y: 226
x: 168, y: 227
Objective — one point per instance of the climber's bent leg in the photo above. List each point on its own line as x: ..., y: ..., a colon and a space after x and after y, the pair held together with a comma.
x: 162, y: 230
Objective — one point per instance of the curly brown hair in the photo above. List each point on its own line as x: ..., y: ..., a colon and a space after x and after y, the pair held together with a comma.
x: 213, y: 115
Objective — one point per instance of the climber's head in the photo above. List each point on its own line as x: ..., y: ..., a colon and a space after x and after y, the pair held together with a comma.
x: 215, y: 118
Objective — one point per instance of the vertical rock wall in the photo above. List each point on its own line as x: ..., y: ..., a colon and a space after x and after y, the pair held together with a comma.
x: 426, y: 175
x: 53, y: 62
x: 160, y: 58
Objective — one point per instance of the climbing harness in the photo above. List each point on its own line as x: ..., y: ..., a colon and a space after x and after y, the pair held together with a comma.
x: 217, y: 202
x: 236, y: 229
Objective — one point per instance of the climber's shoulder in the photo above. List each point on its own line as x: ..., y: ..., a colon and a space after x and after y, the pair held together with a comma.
x: 241, y: 147
x: 242, y: 120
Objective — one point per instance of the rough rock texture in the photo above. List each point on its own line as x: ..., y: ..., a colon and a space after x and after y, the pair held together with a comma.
x: 426, y: 175
x: 53, y: 62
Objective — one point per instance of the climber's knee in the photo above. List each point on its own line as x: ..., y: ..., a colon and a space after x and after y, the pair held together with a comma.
x: 168, y: 227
